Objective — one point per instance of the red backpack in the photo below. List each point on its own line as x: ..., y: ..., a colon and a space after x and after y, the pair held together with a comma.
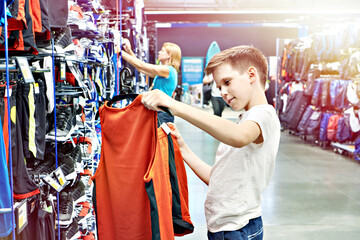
x: 332, y: 127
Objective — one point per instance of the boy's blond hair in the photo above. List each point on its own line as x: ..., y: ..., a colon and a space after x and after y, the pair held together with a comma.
x: 175, y: 54
x: 241, y: 58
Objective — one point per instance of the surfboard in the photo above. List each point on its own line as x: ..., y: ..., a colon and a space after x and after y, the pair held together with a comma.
x: 212, y: 50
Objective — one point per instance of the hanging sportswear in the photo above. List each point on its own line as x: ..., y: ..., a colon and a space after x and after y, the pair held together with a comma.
x: 180, y: 201
x: 128, y: 145
x: 139, y: 191
x: 24, y: 186
x: 5, y: 196
x: 166, y: 186
x: 4, y: 12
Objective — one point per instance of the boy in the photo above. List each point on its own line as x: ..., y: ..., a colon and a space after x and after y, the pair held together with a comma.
x: 245, y: 158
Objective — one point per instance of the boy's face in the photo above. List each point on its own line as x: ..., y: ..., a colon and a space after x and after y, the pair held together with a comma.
x: 235, y: 87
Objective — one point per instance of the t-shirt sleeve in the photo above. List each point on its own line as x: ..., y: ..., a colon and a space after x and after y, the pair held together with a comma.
x: 264, y: 118
x: 172, y: 72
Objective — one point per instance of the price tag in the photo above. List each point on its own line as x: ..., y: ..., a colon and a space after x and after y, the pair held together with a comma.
x: 62, y: 71
x: 6, y: 92
x: 36, y: 88
x: 85, y: 72
x: 69, y: 63
x: 60, y: 177
x: 166, y: 128
x: 25, y: 69
x: 21, y: 216
x: 52, y: 183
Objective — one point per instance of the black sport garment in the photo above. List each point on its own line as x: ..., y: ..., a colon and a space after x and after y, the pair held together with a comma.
x: 24, y: 187
x: 41, y: 224
x: 58, y: 15
x: 31, y: 104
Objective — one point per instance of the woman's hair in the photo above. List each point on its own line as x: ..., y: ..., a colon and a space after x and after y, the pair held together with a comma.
x: 175, y: 54
x: 241, y: 58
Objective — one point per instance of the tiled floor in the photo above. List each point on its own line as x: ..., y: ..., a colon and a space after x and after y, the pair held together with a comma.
x: 314, y: 193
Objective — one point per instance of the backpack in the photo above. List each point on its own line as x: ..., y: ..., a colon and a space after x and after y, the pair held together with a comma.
x: 304, y: 119
x: 357, y: 149
x: 312, y: 75
x: 313, y: 125
x: 295, y: 107
x: 332, y: 127
x: 315, y: 100
x: 323, y: 126
x: 325, y: 94
x: 333, y: 87
x: 344, y: 132
x: 340, y: 98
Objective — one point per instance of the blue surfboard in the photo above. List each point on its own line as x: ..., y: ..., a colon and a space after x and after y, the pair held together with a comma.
x: 212, y: 50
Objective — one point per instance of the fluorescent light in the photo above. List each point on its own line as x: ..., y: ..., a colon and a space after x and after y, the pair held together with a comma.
x: 163, y: 25
x: 282, y: 25
x: 275, y: 11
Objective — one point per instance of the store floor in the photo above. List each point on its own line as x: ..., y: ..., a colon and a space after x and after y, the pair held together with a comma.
x: 314, y: 193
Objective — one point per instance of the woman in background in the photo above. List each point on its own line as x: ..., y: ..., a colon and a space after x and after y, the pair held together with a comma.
x: 165, y: 75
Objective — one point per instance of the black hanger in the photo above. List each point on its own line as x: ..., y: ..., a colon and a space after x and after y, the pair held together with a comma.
x: 133, y: 96
x: 121, y: 97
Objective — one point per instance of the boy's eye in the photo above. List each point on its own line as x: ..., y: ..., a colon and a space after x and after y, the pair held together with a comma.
x: 227, y: 82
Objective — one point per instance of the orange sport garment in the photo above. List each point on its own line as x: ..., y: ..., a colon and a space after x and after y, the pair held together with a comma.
x: 135, y: 153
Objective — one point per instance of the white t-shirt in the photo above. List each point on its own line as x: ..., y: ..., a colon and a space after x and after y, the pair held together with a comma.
x: 240, y: 175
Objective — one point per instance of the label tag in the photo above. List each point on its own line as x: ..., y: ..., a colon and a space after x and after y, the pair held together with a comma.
x: 62, y: 71
x: 69, y: 63
x: 21, y: 216
x: 25, y: 69
x: 60, y: 176
x: 52, y: 183
x: 6, y: 92
x: 85, y: 72
x: 166, y: 128
x: 36, y: 87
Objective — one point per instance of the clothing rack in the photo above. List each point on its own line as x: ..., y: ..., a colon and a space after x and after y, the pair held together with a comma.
x: 6, y: 210
x: 5, y: 67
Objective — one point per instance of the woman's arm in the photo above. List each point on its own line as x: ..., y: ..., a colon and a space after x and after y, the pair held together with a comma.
x: 127, y: 47
x: 148, y: 69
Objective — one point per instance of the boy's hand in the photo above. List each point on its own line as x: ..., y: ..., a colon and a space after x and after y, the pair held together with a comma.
x: 155, y: 98
x: 177, y: 135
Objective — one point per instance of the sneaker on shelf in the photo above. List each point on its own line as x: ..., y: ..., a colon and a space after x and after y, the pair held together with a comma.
x: 89, y: 86
x: 71, y: 232
x: 45, y: 167
x: 74, y: 153
x: 88, y: 236
x: 82, y: 212
x: 62, y: 42
x: 64, y: 38
x: 67, y: 165
x: 77, y: 191
x: 86, y: 147
x: 78, y: 49
x: 66, y: 206
x: 65, y: 162
x: 90, y: 225
x: 65, y: 123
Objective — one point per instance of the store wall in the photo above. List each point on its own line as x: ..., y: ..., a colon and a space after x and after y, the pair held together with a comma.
x: 194, y: 41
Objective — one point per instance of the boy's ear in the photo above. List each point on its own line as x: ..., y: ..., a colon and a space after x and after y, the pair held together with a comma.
x: 252, y: 74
